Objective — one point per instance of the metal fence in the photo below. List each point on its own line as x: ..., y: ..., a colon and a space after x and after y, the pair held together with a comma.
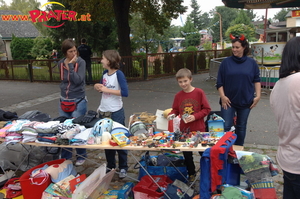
x: 214, y: 67
x: 135, y: 68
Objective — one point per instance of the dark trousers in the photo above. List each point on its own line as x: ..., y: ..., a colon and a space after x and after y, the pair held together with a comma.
x: 111, y: 161
x: 118, y: 116
x: 88, y: 77
x: 189, y: 162
x: 291, y: 186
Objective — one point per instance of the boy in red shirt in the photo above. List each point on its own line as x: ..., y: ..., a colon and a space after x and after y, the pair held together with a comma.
x: 191, y: 103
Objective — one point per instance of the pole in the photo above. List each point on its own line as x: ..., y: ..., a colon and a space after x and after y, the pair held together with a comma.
x: 221, y: 39
x: 265, y: 25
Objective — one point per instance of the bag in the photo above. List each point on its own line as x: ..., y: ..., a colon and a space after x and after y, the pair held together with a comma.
x: 28, y: 186
x: 68, y: 106
x: 147, y: 188
x: 13, y: 188
x: 178, y: 171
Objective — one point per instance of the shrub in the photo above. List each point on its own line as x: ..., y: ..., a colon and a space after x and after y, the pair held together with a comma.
x: 42, y: 48
x: 201, y: 62
x: 157, y: 65
x: 136, y: 69
x: 189, y: 61
x: 191, y: 48
x: 225, y: 53
x: 178, y: 62
x: 20, y: 48
x: 168, y: 65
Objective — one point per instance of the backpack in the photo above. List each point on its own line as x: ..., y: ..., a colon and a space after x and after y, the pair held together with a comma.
x: 36, y: 115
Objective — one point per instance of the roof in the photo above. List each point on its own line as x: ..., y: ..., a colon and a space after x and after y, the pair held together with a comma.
x: 261, y: 4
x: 18, y: 28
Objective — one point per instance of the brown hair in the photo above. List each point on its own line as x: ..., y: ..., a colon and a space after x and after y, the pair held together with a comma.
x: 113, y: 57
x: 184, y: 72
x: 66, y: 45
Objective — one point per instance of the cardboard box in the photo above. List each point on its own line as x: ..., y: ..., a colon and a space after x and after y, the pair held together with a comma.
x: 126, y: 191
x: 216, y: 128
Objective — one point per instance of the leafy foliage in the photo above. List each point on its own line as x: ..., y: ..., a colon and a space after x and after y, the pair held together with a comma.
x: 201, y: 62
x: 100, y: 35
x: 191, y: 48
x: 242, y: 18
x: 178, y: 62
x: 195, y: 15
x: 42, y: 47
x: 157, y: 66
x: 280, y: 16
x: 227, y: 15
x: 239, y: 29
x: 168, y: 63
x: 21, y: 47
x: 192, y: 40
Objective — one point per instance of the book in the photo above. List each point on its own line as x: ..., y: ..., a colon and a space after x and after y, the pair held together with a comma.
x: 63, y: 186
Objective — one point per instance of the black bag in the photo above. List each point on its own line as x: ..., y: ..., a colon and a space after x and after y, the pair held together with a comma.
x: 36, y: 116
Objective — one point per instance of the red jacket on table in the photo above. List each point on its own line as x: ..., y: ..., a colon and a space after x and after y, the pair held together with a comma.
x: 193, y: 103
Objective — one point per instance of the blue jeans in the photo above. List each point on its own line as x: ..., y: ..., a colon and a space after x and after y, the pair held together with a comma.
x: 291, y: 186
x: 80, y: 110
x: 118, y: 116
x: 241, y: 122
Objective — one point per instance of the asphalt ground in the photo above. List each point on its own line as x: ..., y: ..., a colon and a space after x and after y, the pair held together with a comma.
x: 144, y: 96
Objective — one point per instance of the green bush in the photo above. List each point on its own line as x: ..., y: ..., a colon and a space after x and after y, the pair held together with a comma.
x: 168, y: 65
x: 189, y: 62
x: 178, y: 62
x: 20, y: 48
x: 191, y: 48
x: 42, y: 48
x: 225, y: 53
x: 201, y: 62
x: 157, y: 65
x: 136, y: 69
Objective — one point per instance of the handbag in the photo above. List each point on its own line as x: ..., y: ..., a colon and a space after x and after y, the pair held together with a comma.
x: 13, y: 188
x: 68, y: 106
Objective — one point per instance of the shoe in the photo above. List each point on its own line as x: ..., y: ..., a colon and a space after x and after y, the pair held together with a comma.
x: 192, y: 178
x: 122, y: 174
x: 79, y: 162
x: 109, y: 169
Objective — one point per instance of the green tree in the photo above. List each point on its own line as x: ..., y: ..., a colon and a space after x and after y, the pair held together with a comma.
x: 171, y: 32
x: 42, y: 47
x: 250, y: 14
x: 100, y: 35
x: 227, y: 15
x: 239, y: 29
x: 195, y: 15
x: 192, y: 40
x: 280, y: 16
x: 158, y: 14
x: 142, y: 34
x: 205, y: 21
x: 242, y: 18
x: 188, y: 27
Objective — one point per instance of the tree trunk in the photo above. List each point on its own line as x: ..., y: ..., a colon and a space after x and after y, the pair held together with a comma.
x: 121, y: 9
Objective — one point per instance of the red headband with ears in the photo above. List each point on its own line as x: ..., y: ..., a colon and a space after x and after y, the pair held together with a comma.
x: 242, y: 37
